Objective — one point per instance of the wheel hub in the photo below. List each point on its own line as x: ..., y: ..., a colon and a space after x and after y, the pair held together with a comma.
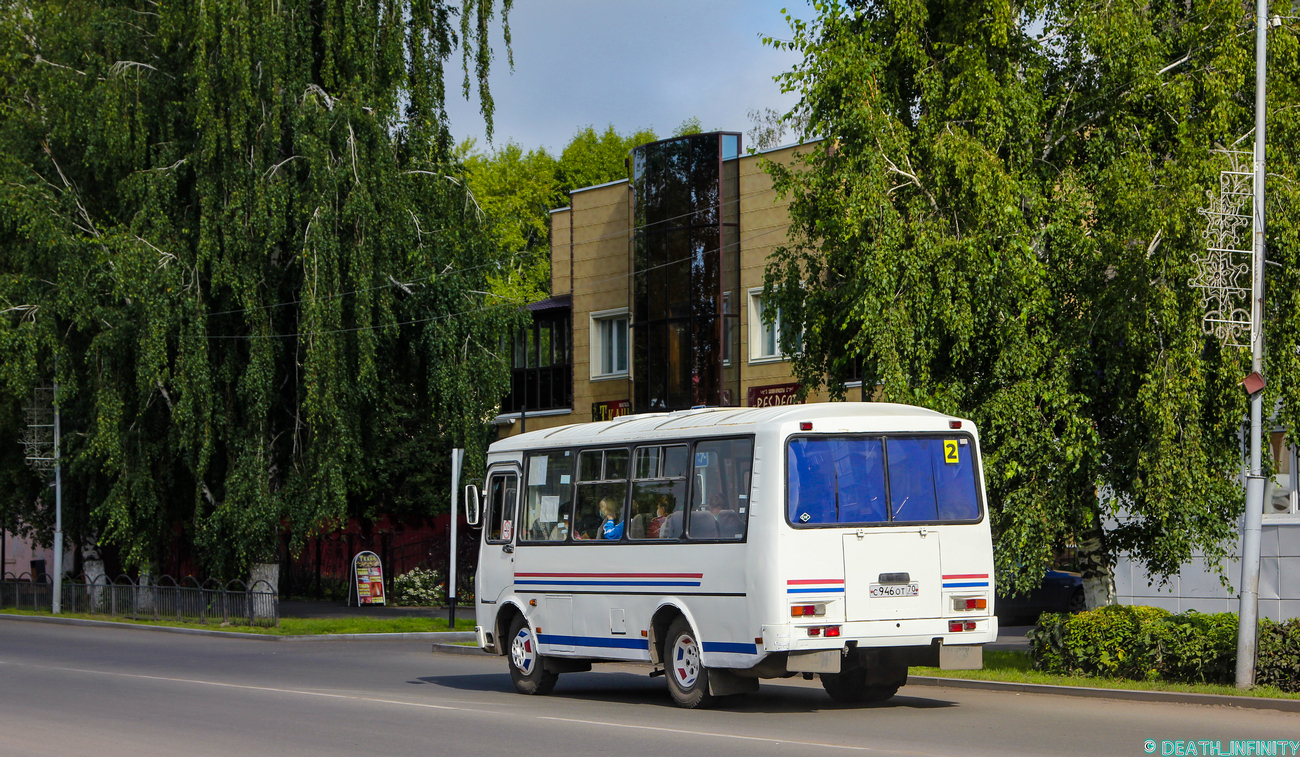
x: 686, y: 661
x: 523, y: 652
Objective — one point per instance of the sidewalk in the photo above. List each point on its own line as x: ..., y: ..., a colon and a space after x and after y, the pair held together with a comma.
x: 321, y: 608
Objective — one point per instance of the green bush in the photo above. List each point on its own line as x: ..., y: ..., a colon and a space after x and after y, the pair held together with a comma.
x: 1278, y: 661
x: 1133, y: 642
x: 1103, y: 642
x: 1192, y: 647
x: 419, y: 587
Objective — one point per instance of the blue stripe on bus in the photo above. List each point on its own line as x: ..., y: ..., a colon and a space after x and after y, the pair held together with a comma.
x: 611, y: 583
x: 593, y: 641
x: 965, y: 585
x: 839, y: 590
x: 730, y: 646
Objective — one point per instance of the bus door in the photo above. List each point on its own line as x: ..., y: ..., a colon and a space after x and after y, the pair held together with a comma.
x: 496, y: 567
x: 892, y: 575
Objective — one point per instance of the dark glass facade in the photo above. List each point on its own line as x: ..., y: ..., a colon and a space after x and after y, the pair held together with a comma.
x: 686, y: 273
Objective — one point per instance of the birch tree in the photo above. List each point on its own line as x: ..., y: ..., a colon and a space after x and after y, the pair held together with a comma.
x: 241, y: 229
x: 999, y: 224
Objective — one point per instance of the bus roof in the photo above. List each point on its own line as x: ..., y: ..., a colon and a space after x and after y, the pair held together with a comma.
x: 711, y: 421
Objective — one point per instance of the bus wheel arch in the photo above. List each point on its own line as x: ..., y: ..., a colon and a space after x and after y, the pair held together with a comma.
x: 501, y: 626
x: 660, y: 622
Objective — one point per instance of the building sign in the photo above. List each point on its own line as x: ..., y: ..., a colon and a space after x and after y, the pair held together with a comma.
x: 774, y: 395
x: 608, y: 411
x: 368, y: 575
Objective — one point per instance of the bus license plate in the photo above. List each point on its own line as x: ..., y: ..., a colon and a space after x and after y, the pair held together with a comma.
x: 895, y: 590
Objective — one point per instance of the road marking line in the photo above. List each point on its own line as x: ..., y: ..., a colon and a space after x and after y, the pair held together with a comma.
x: 685, y: 732
x: 246, y: 687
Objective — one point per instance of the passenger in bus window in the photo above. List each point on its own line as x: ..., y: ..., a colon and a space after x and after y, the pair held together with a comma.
x: 612, y: 528
x: 655, y: 526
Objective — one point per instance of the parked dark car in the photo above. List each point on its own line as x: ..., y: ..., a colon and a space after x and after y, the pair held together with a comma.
x: 1061, y: 591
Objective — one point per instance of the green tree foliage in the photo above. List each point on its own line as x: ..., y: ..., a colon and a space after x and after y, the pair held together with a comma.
x: 1001, y: 227
x: 517, y: 191
x: 239, y: 227
x: 591, y: 158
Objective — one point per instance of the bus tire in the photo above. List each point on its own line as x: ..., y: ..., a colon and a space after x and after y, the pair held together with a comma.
x: 850, y: 687
x: 688, y: 679
x: 526, y: 666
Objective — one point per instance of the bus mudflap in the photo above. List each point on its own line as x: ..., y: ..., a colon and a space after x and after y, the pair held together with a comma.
x: 723, y: 682
x: 961, y: 657
x: 815, y: 661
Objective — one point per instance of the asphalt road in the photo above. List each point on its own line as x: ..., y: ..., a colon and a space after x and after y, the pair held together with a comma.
x: 68, y: 690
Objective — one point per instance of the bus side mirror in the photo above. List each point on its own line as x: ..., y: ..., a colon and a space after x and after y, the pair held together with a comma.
x: 472, y: 505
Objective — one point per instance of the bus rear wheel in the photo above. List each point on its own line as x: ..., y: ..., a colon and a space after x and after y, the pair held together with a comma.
x: 850, y: 687
x: 688, y: 679
x: 526, y: 667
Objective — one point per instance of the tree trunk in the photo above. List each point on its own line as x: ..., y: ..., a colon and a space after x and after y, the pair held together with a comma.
x: 264, y: 585
x: 1097, y: 566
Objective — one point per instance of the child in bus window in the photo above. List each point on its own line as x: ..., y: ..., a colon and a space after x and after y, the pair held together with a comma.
x: 612, y: 528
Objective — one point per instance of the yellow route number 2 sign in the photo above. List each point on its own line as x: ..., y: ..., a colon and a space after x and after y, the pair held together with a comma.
x: 950, y: 454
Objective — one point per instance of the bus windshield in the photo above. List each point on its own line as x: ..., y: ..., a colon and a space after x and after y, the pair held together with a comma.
x: 866, y: 480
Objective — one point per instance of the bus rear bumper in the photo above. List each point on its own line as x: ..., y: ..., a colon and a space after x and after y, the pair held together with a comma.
x: 880, y: 634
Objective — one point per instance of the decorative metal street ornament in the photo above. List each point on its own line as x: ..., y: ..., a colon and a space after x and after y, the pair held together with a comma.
x: 1225, y: 271
x: 38, y: 436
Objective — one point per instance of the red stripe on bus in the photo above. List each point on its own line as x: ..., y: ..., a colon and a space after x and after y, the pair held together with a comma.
x: 801, y: 581
x: 967, y: 575
x: 611, y: 575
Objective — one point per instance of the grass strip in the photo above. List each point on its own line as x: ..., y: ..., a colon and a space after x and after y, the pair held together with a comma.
x: 1016, y: 667
x: 288, y: 626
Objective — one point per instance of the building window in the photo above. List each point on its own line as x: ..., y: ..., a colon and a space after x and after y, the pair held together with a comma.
x: 541, y: 370
x: 1282, y: 486
x: 764, y: 337
x: 609, y: 353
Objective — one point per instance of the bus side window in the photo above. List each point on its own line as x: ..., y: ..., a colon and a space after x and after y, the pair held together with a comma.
x: 549, y: 497
x: 658, y: 492
x: 720, y: 499
x: 602, y: 493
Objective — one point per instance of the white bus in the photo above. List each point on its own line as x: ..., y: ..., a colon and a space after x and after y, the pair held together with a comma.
x: 722, y: 546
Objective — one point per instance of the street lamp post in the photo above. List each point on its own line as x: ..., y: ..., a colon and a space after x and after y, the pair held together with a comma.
x: 56, y: 606
x: 1248, y: 607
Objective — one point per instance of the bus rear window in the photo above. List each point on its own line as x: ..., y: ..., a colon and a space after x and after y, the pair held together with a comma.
x: 864, y: 480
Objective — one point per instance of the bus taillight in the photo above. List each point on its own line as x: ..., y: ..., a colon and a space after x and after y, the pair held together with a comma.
x: 957, y: 626
x: 799, y: 611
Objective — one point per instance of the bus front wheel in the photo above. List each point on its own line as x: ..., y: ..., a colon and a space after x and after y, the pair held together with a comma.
x: 688, y: 679
x: 850, y: 687
x: 526, y: 669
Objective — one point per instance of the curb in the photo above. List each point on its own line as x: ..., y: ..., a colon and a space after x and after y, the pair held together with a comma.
x: 444, y: 648
x: 444, y: 636
x: 1133, y: 695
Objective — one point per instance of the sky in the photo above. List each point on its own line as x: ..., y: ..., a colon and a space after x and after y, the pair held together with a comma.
x: 631, y: 63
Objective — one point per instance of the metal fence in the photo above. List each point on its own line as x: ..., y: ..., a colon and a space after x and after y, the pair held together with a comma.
x: 234, y: 603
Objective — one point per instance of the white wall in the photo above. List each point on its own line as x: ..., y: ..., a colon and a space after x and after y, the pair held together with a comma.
x: 1197, y: 587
